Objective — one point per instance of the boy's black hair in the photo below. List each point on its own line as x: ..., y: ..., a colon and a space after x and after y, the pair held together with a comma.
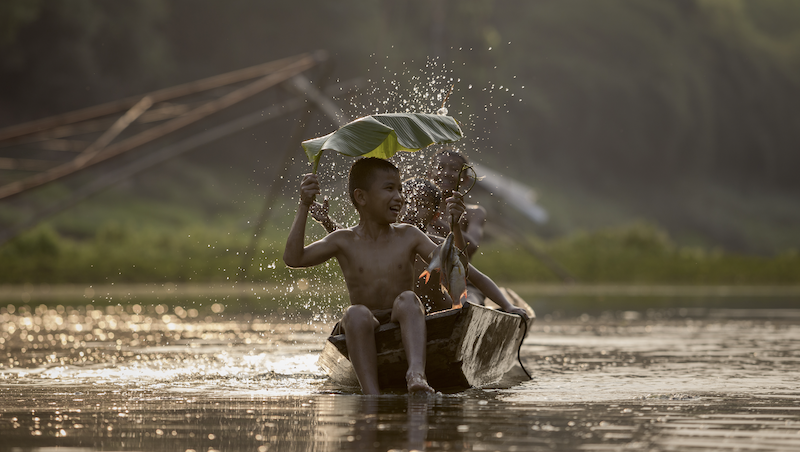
x: 418, y: 186
x: 451, y: 151
x: 362, y: 174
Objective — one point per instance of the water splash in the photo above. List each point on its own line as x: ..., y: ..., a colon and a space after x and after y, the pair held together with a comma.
x: 408, y: 86
x: 179, y: 351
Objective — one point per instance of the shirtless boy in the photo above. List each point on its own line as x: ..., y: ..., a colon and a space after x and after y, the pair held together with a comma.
x: 421, y: 210
x: 377, y: 261
x: 445, y: 169
x: 422, y: 200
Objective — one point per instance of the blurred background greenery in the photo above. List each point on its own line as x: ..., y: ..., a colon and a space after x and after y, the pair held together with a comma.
x: 660, y: 136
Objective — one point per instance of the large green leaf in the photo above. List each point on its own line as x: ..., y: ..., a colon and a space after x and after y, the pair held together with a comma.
x: 385, y: 134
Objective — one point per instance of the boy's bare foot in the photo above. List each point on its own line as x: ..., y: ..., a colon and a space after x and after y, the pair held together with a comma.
x: 417, y: 384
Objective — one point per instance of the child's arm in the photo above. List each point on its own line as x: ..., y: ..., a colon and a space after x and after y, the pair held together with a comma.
x: 296, y: 254
x: 319, y: 212
x: 490, y: 289
x: 424, y: 246
x: 476, y: 217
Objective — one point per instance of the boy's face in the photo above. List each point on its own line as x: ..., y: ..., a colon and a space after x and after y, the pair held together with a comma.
x: 384, y: 198
x: 445, y: 175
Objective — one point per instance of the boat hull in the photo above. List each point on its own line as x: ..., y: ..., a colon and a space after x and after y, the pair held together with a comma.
x: 469, y: 347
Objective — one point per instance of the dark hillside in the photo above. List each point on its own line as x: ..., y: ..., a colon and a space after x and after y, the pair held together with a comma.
x: 684, y: 113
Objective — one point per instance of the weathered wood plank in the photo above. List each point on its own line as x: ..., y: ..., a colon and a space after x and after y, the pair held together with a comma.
x: 488, y: 345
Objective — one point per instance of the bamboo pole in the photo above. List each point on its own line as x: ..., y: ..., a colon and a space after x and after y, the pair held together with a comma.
x: 25, y: 164
x: 161, y: 95
x: 160, y: 130
x: 51, y: 138
x: 117, y: 128
x: 117, y: 175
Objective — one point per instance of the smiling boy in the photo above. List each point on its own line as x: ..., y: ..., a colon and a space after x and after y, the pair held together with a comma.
x: 377, y: 260
x: 446, y: 168
x: 422, y: 201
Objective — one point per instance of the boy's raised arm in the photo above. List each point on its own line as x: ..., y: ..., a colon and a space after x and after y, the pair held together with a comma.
x: 296, y: 254
x: 474, y: 233
x: 425, y: 245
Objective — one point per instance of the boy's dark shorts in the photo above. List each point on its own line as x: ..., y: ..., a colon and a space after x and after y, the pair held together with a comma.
x: 383, y: 316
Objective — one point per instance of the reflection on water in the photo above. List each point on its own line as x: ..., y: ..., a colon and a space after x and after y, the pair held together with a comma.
x: 126, y: 379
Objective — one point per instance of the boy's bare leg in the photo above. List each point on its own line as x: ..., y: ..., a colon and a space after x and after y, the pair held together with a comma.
x: 409, y: 313
x: 359, y: 327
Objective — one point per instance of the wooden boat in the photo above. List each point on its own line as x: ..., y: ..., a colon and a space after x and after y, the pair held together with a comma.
x: 469, y: 347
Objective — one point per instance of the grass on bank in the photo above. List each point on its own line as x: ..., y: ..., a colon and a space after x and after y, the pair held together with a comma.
x: 638, y: 253
x: 123, y: 254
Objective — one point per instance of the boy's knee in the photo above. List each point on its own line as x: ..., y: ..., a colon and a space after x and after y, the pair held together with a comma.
x: 358, y: 316
x: 407, y: 297
x: 408, y: 301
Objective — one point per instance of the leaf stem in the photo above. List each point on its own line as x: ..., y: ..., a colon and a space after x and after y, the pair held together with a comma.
x: 448, y: 95
x: 316, y: 162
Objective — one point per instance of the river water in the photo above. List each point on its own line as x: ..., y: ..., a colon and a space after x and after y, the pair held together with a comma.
x: 157, y: 379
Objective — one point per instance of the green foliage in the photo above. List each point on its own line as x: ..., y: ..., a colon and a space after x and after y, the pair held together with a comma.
x: 122, y: 253
x: 111, y: 234
x: 383, y: 135
x: 42, y: 242
x: 32, y: 256
x: 119, y: 253
x: 639, y: 253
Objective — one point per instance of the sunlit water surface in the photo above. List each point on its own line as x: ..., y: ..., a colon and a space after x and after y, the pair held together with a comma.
x: 110, y: 379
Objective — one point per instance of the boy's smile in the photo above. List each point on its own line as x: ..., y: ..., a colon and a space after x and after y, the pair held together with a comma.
x: 395, y: 209
x: 385, y: 199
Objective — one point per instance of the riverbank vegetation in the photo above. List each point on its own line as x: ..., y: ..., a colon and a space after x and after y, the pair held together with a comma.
x: 638, y: 253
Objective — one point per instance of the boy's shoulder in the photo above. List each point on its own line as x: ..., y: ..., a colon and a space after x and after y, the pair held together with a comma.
x: 407, y: 229
x: 403, y: 226
x: 342, y: 234
x: 352, y: 232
